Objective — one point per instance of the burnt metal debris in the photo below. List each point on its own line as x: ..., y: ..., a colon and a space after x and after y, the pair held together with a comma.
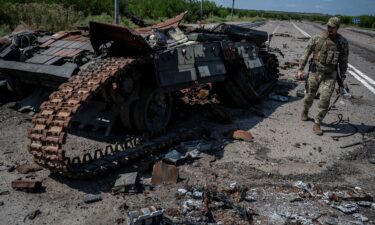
x: 27, y: 168
x: 126, y: 183
x: 138, y: 73
x: 29, y: 185
x: 149, y: 215
x: 163, y: 173
x: 90, y: 198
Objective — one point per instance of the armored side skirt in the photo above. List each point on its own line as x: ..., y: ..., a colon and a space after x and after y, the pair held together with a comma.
x: 37, y: 73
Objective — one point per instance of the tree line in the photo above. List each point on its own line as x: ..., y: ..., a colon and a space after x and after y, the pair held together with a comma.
x: 65, y: 14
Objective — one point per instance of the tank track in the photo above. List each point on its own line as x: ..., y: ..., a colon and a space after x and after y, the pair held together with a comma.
x: 48, y: 135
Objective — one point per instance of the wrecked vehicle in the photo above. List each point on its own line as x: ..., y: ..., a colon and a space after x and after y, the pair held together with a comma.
x: 131, y: 73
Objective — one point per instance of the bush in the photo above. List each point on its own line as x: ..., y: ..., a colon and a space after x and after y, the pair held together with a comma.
x: 51, y: 17
x: 4, y: 30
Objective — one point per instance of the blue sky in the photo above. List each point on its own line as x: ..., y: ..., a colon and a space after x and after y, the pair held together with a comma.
x: 343, y: 7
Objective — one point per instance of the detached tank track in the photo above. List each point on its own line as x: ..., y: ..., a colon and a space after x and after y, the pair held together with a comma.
x: 49, y: 132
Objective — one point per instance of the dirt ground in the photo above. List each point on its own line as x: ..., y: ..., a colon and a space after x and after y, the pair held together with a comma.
x: 290, y: 175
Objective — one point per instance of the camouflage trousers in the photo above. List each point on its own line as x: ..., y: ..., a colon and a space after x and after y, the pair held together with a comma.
x: 325, y: 83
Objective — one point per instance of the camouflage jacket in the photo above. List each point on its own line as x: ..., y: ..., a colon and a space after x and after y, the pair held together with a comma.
x: 315, y: 47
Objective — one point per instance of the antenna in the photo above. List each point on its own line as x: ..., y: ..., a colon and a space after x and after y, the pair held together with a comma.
x: 232, y: 9
x: 202, y: 9
x: 116, y: 14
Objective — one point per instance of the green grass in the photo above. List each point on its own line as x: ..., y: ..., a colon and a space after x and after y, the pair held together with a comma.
x: 4, y: 30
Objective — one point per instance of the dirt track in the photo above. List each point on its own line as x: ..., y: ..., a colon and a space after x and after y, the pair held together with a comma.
x: 284, y: 151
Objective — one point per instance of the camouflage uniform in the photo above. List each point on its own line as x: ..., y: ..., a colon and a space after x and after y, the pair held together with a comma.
x: 328, y: 53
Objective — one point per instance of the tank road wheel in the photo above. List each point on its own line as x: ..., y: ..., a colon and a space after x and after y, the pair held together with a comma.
x: 271, y: 64
x: 152, y: 112
x: 130, y: 88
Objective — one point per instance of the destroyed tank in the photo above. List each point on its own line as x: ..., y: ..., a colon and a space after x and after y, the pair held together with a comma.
x: 134, y: 74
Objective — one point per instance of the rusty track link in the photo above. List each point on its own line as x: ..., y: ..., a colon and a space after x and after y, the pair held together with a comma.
x: 49, y: 132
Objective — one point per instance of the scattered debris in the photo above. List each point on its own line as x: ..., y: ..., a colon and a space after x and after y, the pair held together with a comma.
x: 291, y: 64
x: 277, y: 97
x: 302, y: 185
x: 364, y: 204
x: 181, y: 192
x: 126, y: 183
x: 347, y: 208
x: 149, y: 215
x: 174, y: 156
x: 355, y: 195
x: 172, y: 212
x: 11, y: 168
x: 27, y: 184
x: 91, y: 198
x: 213, y: 195
x: 242, y: 135
x: 300, y: 92
x: 328, y: 220
x: 282, y: 35
x: 360, y: 217
x: 303, y: 38
x: 6, y: 192
x: 192, y: 150
x: 32, y: 215
x: 199, y: 145
x: 27, y: 168
x: 163, y: 173
x: 190, y: 205
x: 297, y: 145
x: 250, y: 198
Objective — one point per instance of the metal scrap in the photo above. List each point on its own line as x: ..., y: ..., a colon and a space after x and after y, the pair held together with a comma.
x: 163, y: 173
x: 149, y: 215
x: 126, y: 183
x: 277, y: 97
x: 211, y: 194
x: 199, y: 145
x: 329, y: 220
x: 91, y: 198
x: 347, y: 208
x: 26, y: 184
x: 242, y: 135
x: 6, y: 192
x: 27, y: 168
x: 32, y: 215
x: 360, y: 217
x: 282, y: 35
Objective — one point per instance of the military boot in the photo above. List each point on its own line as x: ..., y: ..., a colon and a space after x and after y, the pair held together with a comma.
x: 317, y: 130
x: 304, y: 116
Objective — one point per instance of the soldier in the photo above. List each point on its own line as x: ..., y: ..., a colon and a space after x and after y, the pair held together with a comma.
x: 330, y: 54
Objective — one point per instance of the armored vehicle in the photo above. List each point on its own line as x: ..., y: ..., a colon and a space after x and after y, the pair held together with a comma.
x: 133, y: 73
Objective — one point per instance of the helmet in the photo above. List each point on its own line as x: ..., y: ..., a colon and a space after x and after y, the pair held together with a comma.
x: 334, y: 22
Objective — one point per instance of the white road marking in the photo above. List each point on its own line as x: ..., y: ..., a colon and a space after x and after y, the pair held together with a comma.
x: 302, y: 31
x: 356, y: 73
x: 274, y: 31
x: 360, y: 79
x: 371, y: 81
